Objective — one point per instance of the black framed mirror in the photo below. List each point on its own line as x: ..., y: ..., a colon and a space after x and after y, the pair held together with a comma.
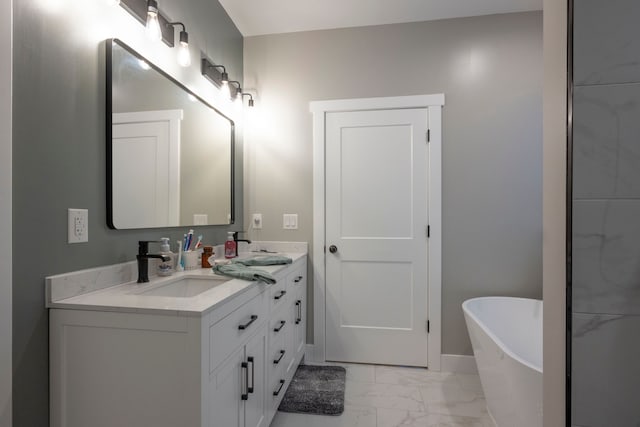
x: 170, y: 154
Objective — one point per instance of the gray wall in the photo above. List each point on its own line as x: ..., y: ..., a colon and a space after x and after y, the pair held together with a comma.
x: 59, y: 158
x: 606, y: 215
x: 490, y: 70
x: 5, y: 213
x: 554, y: 216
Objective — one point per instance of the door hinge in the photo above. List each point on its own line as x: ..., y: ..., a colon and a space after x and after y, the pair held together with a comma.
x: 428, y: 325
x: 428, y: 231
x: 428, y: 135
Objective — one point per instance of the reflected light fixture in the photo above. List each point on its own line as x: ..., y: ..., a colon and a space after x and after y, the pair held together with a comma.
x: 212, y: 72
x: 153, y: 24
x: 238, y: 90
x: 184, y: 57
x: 250, y: 98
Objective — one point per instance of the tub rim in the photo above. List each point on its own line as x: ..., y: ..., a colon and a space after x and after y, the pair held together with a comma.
x: 498, y: 341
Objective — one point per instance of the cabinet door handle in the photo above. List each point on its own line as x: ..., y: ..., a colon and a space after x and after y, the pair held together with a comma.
x: 299, y: 317
x: 276, y: 361
x: 250, y: 388
x: 254, y: 317
x: 245, y: 386
x: 277, y: 392
x: 279, y: 328
x: 280, y: 295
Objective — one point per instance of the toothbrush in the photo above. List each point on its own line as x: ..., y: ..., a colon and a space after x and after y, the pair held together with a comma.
x: 189, y: 239
x: 179, y: 264
x: 184, y: 246
x: 198, y: 243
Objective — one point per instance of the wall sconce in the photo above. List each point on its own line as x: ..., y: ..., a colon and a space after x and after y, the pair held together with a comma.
x: 235, y: 92
x: 147, y: 13
x: 210, y: 71
x: 184, y: 57
x: 250, y: 98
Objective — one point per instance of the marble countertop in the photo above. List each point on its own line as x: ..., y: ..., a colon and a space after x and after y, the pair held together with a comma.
x: 128, y: 296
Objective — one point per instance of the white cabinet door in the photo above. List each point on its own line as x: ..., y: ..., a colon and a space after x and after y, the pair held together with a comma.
x: 299, y: 284
x: 227, y: 385
x: 238, y: 387
x: 255, y: 351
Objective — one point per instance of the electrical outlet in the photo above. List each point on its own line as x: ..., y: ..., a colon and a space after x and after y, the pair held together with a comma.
x: 290, y: 221
x: 257, y: 221
x: 78, y: 225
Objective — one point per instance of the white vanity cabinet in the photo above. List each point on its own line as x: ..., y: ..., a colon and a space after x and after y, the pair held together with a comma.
x: 225, y: 367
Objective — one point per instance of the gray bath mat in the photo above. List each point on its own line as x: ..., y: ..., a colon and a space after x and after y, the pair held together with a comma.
x: 317, y: 390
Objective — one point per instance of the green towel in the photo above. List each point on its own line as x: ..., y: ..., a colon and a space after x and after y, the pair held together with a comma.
x: 243, y: 272
x: 264, y: 260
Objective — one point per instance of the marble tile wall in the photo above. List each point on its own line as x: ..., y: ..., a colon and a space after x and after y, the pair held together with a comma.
x: 606, y: 214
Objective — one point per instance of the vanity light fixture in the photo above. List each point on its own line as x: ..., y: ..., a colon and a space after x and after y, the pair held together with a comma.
x: 250, y: 98
x: 184, y: 57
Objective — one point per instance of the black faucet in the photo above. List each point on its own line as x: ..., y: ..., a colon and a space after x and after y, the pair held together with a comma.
x: 235, y: 239
x: 143, y: 259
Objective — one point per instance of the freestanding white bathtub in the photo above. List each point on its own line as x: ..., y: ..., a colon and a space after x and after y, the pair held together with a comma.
x: 506, y: 335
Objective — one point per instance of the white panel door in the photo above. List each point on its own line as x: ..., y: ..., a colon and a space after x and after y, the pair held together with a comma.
x: 146, y: 169
x: 376, y: 220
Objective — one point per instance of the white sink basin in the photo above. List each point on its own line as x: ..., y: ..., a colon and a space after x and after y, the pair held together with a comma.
x: 185, y: 288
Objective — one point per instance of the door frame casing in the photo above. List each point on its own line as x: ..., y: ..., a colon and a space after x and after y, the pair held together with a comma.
x: 433, y: 103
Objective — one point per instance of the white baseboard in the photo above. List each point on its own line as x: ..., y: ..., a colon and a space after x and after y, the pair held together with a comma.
x: 458, y: 363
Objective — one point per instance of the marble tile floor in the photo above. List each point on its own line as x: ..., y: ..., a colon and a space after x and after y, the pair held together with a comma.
x: 385, y: 396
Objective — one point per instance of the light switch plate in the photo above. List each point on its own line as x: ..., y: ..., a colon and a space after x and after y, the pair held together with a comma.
x: 290, y: 221
x: 78, y: 225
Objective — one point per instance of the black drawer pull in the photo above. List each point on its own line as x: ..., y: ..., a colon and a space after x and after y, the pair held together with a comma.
x: 277, y: 392
x: 276, y: 361
x: 280, y: 295
x: 245, y: 369
x: 279, y: 328
x: 254, y: 317
x: 299, y: 314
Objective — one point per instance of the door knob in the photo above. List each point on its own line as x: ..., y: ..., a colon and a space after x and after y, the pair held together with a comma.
x: 333, y: 249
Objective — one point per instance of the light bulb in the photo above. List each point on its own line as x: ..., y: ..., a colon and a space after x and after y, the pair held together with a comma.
x: 153, y: 25
x: 226, y: 93
x: 143, y: 65
x: 184, y: 57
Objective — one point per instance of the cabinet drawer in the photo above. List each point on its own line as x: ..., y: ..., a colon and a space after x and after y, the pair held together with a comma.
x: 297, y: 279
x: 275, y: 391
x: 278, y: 295
x: 230, y: 332
x: 279, y: 324
x: 278, y: 358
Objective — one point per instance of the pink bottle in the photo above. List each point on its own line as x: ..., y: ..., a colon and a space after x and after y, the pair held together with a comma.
x: 230, y: 246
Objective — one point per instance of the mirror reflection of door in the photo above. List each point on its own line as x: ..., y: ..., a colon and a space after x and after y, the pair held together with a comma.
x: 146, y: 157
